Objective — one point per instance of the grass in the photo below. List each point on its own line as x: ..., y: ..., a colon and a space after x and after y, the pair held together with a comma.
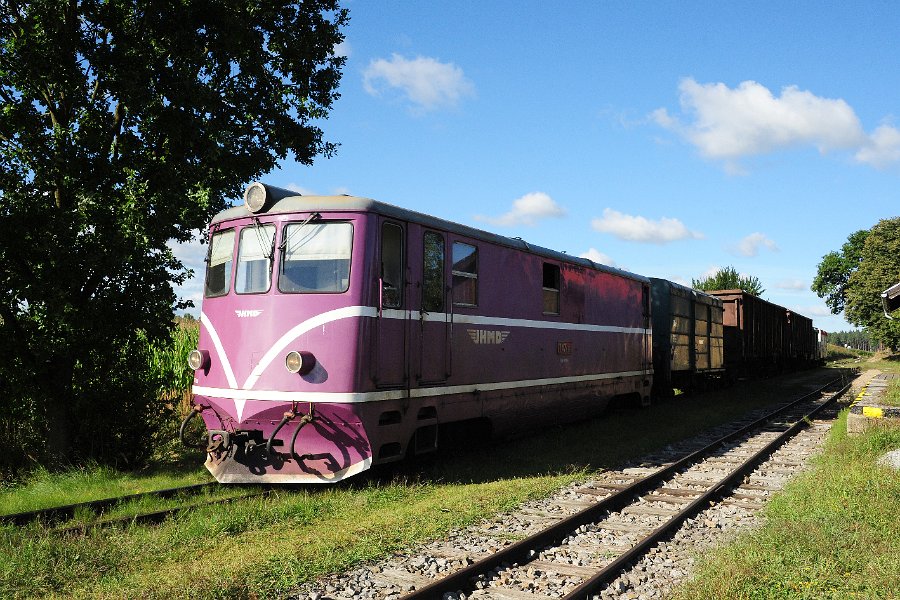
x: 43, y: 489
x: 892, y: 394
x: 263, y: 547
x: 831, y: 534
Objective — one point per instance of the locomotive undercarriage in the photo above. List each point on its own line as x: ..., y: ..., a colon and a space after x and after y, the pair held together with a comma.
x: 247, y: 454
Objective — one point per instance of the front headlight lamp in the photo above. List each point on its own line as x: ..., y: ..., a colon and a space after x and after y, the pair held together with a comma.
x: 198, y: 359
x: 299, y: 362
x: 255, y: 197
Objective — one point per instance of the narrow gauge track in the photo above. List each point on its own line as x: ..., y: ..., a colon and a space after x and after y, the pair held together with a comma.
x: 67, y: 511
x: 156, y: 516
x: 670, y: 496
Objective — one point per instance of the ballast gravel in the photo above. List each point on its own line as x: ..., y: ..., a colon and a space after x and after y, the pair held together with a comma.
x: 654, y: 576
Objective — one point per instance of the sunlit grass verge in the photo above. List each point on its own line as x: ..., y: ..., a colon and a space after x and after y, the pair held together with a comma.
x: 264, y: 547
x: 892, y: 394
x: 44, y: 489
x: 833, y: 533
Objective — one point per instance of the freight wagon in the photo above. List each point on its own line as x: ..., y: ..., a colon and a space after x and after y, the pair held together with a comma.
x: 688, y: 344
x: 762, y: 338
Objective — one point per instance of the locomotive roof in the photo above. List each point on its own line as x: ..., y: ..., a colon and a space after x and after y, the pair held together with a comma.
x: 323, y: 204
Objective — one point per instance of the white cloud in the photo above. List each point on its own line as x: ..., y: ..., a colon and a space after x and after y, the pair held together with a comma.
x: 750, y: 245
x: 598, y: 257
x: 791, y: 285
x: 641, y: 229
x: 816, y: 310
x: 748, y: 120
x: 527, y: 210
x: 710, y: 272
x: 427, y: 83
x: 193, y: 255
x: 303, y: 191
x: 343, y: 49
x: 882, y: 149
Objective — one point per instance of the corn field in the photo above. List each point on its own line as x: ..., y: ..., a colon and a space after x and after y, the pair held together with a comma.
x: 169, y: 365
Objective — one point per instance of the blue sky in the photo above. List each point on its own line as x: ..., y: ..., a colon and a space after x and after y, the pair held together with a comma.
x: 664, y: 138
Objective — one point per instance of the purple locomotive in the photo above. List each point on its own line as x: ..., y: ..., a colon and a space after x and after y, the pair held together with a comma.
x: 340, y: 332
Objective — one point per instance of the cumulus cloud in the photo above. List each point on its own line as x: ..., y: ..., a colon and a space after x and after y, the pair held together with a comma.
x: 816, y: 310
x: 882, y: 149
x: 527, y: 210
x: 598, y: 257
x: 343, y: 49
x: 427, y: 83
x: 748, y: 120
x: 750, y: 245
x: 641, y: 229
x: 728, y: 124
x: 795, y: 285
x: 193, y: 255
x: 303, y: 191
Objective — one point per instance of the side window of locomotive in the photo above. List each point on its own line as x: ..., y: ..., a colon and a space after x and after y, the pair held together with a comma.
x: 315, y: 258
x: 551, y: 289
x: 254, y: 266
x: 391, y: 265
x: 465, y: 274
x: 433, y: 276
x: 218, y: 268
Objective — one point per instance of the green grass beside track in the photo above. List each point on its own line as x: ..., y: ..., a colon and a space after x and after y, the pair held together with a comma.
x: 833, y: 533
x: 263, y: 547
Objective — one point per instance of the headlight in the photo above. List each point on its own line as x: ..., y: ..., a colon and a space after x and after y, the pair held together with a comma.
x: 198, y: 359
x: 299, y: 362
x: 255, y: 197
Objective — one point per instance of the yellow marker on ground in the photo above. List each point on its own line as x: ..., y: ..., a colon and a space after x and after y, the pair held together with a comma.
x: 873, y: 411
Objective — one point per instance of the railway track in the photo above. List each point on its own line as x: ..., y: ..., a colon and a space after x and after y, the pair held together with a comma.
x: 67, y: 511
x: 578, y: 545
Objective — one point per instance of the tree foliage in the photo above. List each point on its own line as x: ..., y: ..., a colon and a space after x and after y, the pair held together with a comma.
x: 126, y: 124
x: 728, y: 278
x: 834, y: 271
x: 853, y: 279
x: 879, y: 269
x: 858, y: 339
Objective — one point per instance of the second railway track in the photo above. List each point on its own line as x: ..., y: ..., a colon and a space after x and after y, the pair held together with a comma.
x: 580, y: 544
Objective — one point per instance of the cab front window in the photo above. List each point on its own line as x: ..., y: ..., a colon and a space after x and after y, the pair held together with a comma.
x: 254, y: 267
x: 316, y: 258
x: 219, y: 262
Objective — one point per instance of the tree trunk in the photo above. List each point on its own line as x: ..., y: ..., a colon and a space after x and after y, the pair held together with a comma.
x: 61, y: 426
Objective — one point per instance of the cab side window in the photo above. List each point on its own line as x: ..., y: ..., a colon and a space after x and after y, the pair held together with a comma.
x: 551, y: 289
x: 465, y: 274
x: 433, y: 275
x: 391, y: 265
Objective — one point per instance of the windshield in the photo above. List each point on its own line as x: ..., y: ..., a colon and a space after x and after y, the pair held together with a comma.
x: 316, y: 257
x: 254, y: 268
x: 218, y: 270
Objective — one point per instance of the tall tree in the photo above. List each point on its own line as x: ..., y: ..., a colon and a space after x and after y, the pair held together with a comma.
x: 126, y: 124
x: 728, y: 278
x: 833, y: 274
x: 879, y: 268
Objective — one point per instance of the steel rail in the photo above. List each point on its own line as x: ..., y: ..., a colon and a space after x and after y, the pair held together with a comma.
x: 156, y: 516
x: 667, y: 529
x: 57, y: 513
x: 523, y: 550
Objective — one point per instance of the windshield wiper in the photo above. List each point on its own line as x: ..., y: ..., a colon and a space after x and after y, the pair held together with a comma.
x: 261, y: 238
x: 285, y: 241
